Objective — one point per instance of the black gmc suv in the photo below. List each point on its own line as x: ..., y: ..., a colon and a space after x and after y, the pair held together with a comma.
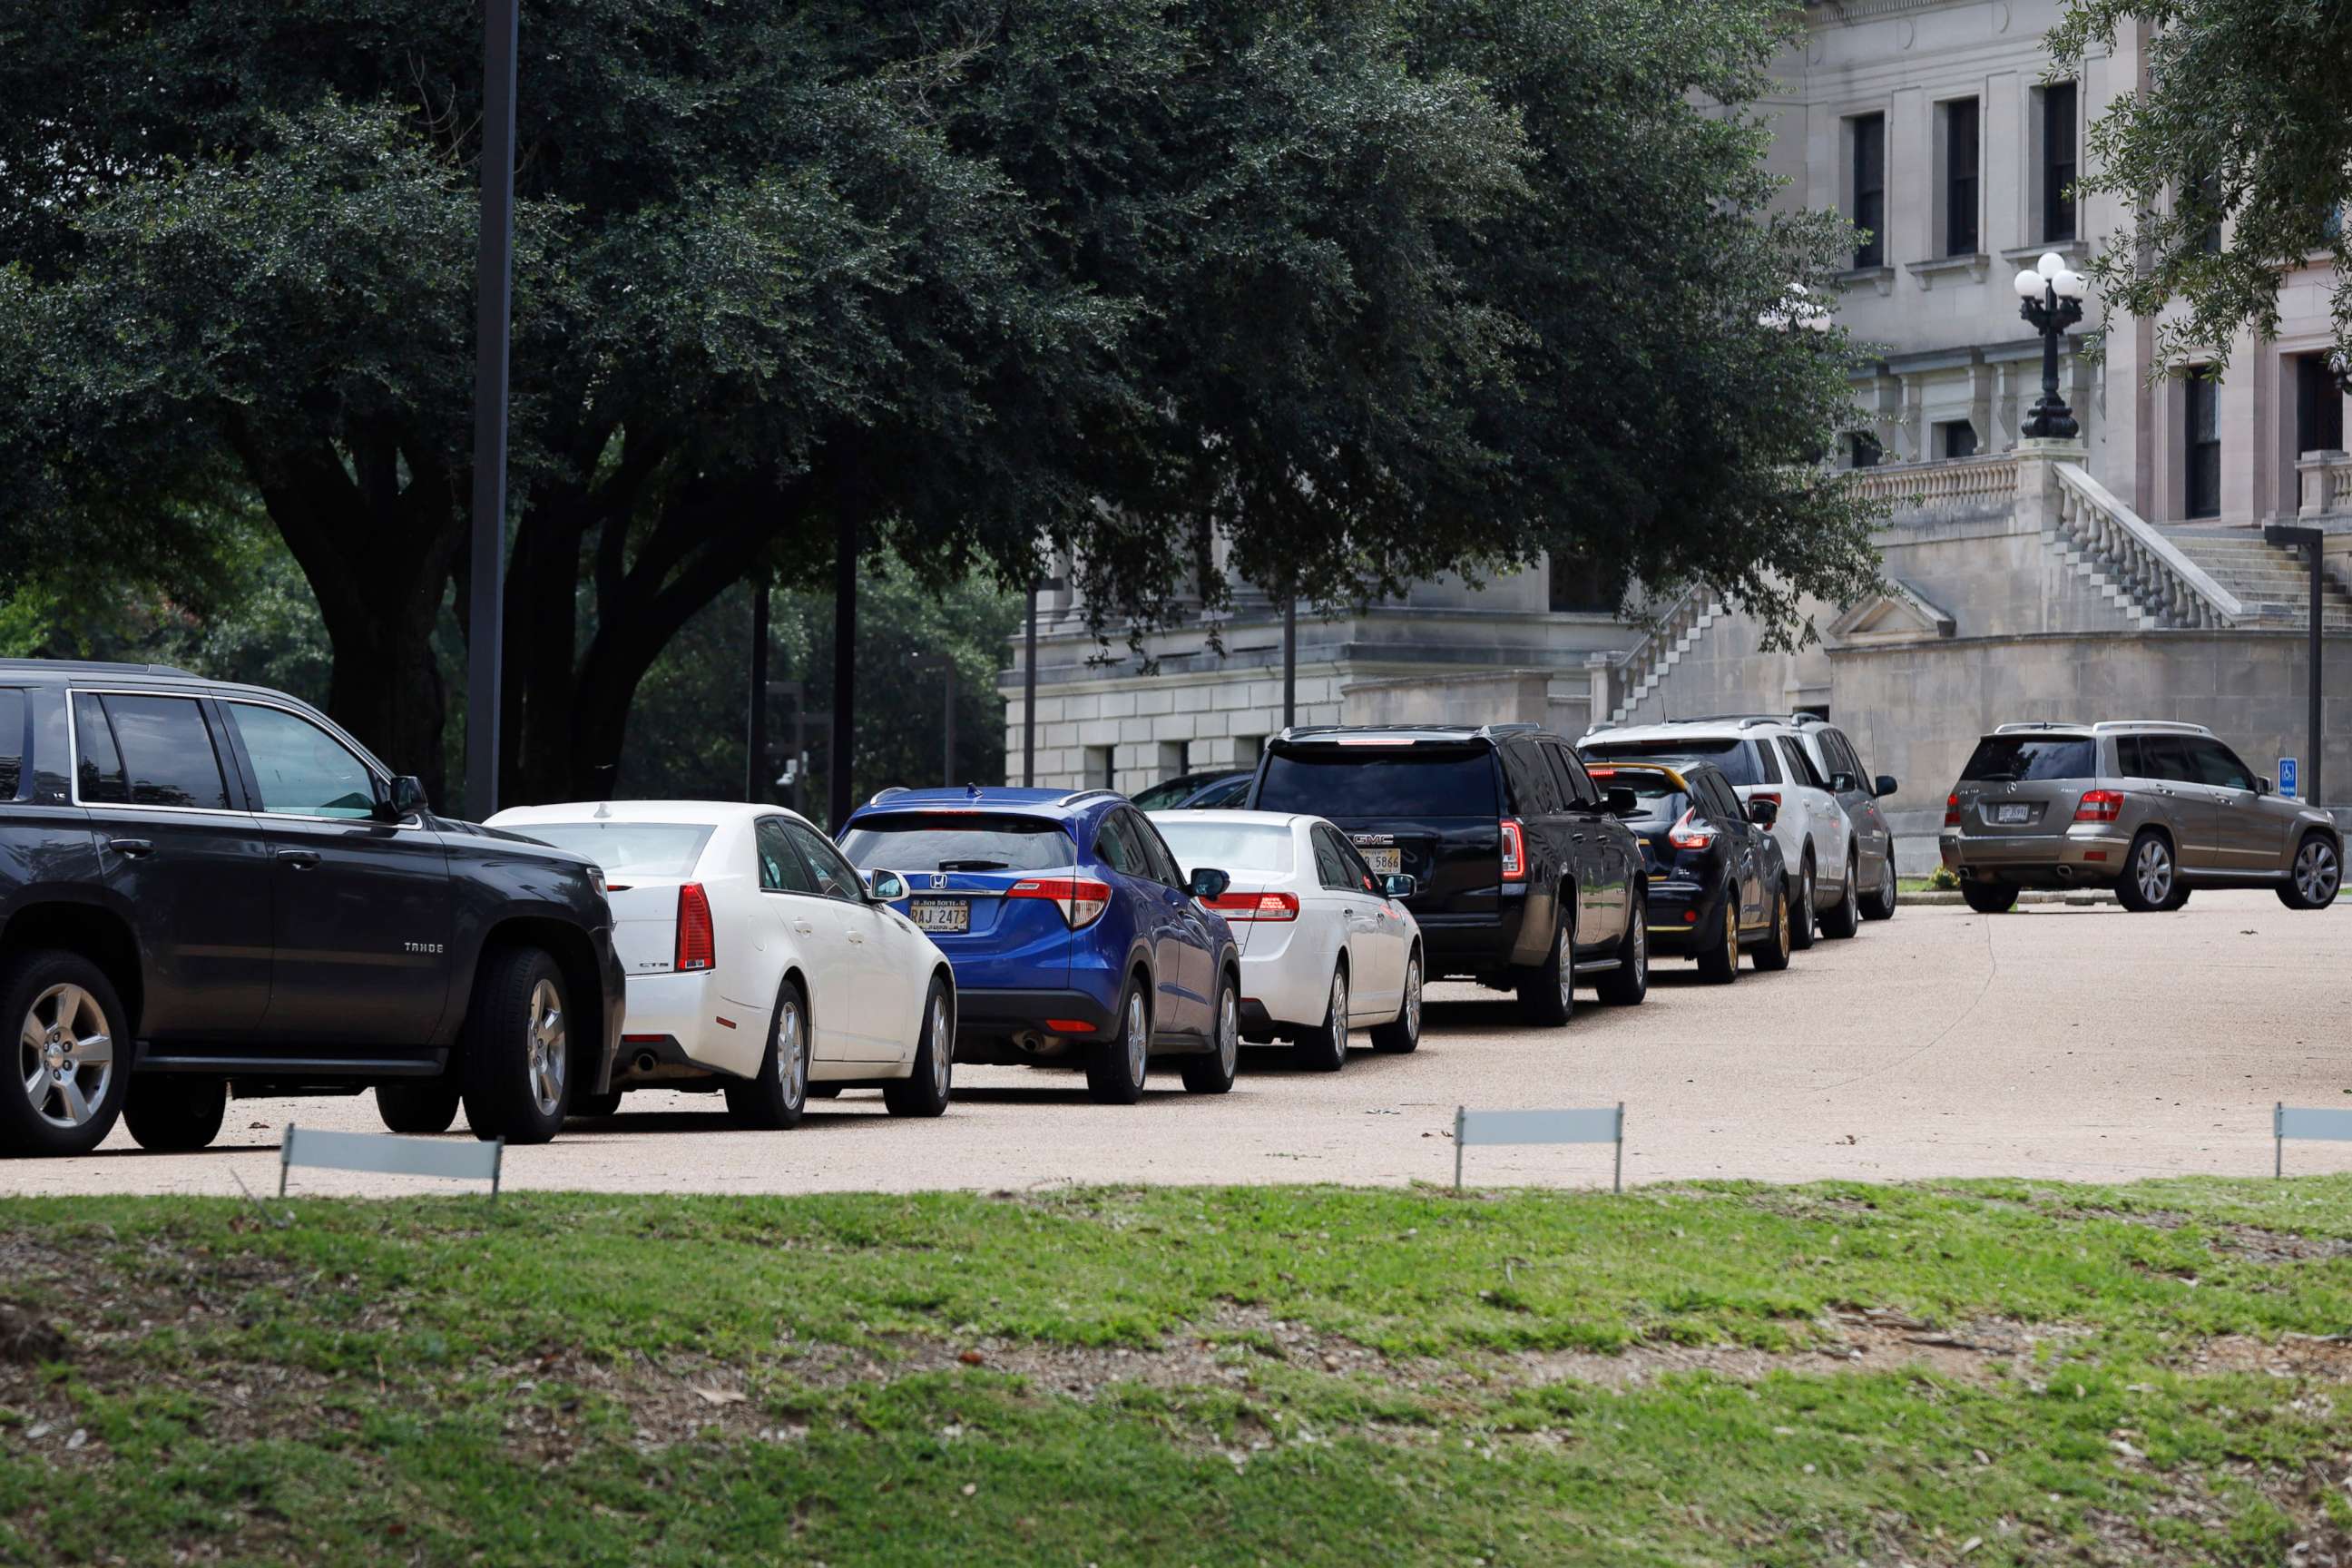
x: 206, y: 887
x: 1525, y: 879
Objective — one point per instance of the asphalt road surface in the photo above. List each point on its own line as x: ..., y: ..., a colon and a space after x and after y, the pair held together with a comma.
x: 2084, y: 1043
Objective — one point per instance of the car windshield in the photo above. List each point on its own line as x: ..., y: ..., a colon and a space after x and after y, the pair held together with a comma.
x: 1168, y: 793
x: 956, y: 841
x: 1655, y: 799
x: 1229, y: 847
x: 2020, y: 758
x: 627, y: 848
x: 1732, y: 755
x: 1354, y: 783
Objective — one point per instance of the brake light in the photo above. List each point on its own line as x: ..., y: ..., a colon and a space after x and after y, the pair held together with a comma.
x: 2100, y: 806
x: 1601, y: 772
x: 1256, y: 906
x: 1081, y: 900
x: 1952, y: 810
x: 1689, y: 834
x: 1515, y: 851
x: 696, y: 948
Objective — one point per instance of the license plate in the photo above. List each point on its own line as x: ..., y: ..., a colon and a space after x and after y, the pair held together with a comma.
x: 1384, y: 862
x: 2012, y: 813
x: 941, y: 914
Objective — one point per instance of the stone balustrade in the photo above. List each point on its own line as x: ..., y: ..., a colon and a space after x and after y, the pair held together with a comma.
x: 2326, y: 483
x: 2171, y: 589
x: 1958, y: 484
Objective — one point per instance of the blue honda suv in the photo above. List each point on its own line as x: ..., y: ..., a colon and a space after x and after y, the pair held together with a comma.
x: 1076, y: 939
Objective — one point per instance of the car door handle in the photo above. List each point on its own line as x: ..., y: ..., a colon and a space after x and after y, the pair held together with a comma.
x: 300, y: 859
x: 857, y: 937
x: 131, y: 848
x: 802, y: 927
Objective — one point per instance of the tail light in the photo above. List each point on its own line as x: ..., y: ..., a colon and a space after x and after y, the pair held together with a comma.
x: 1256, y: 906
x: 696, y: 948
x: 1081, y: 900
x: 2100, y: 806
x: 1689, y: 834
x: 1952, y: 810
x: 1515, y: 851
x: 1601, y: 772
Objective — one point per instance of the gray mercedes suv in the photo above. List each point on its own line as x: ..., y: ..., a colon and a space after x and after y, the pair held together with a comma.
x: 2150, y: 809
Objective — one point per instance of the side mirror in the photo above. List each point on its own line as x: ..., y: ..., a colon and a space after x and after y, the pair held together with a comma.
x: 1400, y: 885
x: 1622, y: 801
x: 1763, y: 812
x: 887, y: 887
x: 1885, y: 785
x: 402, y: 799
x: 2262, y: 786
x: 1209, y: 883
x: 1844, y: 784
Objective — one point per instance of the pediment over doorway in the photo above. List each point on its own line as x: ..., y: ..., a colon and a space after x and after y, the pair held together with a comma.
x: 1902, y: 614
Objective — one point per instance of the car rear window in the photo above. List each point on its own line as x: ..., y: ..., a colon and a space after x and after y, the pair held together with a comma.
x: 956, y: 841
x: 627, y: 848
x: 1654, y: 798
x: 1228, y: 846
x: 1352, y: 782
x: 1734, y: 756
x: 2024, y: 757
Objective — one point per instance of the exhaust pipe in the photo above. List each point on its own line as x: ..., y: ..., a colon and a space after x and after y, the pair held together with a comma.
x: 2065, y: 873
x: 644, y: 1062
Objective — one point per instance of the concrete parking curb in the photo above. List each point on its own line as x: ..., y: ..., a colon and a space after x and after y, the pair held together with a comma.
x: 2032, y: 896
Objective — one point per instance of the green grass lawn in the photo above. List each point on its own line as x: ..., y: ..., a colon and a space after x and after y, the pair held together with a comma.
x: 1969, y: 1373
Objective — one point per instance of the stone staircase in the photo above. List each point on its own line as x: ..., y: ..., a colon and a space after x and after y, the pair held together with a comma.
x: 1657, y: 654
x: 2269, y: 580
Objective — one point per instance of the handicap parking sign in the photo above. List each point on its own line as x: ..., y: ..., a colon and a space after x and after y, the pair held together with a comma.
x: 2287, y: 780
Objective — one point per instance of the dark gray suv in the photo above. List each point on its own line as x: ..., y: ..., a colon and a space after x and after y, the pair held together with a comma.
x: 2150, y: 809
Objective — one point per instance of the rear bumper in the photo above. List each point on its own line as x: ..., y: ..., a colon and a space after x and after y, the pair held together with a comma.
x: 2086, y: 852
x: 1679, y: 911
x: 1286, y: 990
x: 1480, y: 944
x: 997, y: 1013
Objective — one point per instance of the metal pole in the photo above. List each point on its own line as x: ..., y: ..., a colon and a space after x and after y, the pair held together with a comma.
x: 1617, y: 1180
x: 755, y: 739
x: 845, y: 666
x: 285, y: 1158
x: 1289, y: 662
x: 947, y: 762
x: 1457, y: 1148
x: 2278, y: 1138
x: 493, y: 321
x: 1029, y: 695
x: 2318, y: 657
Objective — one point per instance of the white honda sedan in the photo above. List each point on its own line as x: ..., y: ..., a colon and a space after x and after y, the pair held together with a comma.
x: 758, y: 963
x: 1326, y: 944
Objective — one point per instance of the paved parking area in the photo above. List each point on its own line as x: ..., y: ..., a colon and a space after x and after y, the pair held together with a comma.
x: 2068, y: 1043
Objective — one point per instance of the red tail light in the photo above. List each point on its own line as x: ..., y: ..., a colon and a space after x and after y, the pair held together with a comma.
x: 1689, y: 834
x: 1081, y: 900
x: 696, y: 948
x: 1951, y: 811
x: 1515, y: 851
x: 1256, y: 906
x: 2100, y: 806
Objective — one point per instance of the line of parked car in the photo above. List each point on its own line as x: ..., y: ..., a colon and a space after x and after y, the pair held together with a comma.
x: 210, y: 889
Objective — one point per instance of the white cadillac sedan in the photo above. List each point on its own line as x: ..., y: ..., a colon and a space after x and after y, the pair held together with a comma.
x: 758, y: 963
x: 1326, y: 944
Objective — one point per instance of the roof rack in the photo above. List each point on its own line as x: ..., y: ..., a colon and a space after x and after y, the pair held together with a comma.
x: 1076, y: 795
x: 2039, y: 726
x: 1745, y: 721
x: 94, y: 667
x: 2157, y: 726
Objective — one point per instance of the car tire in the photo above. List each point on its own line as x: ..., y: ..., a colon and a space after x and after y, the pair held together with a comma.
x: 1879, y: 905
x: 2316, y: 875
x: 1211, y: 1071
x: 1843, y: 919
x: 1116, y: 1068
x: 2150, y: 874
x: 596, y: 1107
x: 771, y: 1100
x: 1990, y: 897
x: 1803, y: 916
x: 1718, y: 962
x: 169, y: 1114
x: 1547, y: 991
x: 1626, y: 985
x: 925, y: 1091
x: 420, y: 1106
x: 1771, y: 955
x: 1401, y: 1035
x: 1324, y: 1049
x: 48, y: 992
x: 517, y: 1065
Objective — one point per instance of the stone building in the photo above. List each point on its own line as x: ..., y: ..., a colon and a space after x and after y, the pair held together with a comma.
x: 2123, y: 575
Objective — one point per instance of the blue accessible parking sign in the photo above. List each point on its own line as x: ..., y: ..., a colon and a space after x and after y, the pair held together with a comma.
x: 2287, y: 780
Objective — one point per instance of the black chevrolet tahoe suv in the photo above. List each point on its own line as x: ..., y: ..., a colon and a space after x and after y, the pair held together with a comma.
x: 206, y: 887
x: 1524, y: 880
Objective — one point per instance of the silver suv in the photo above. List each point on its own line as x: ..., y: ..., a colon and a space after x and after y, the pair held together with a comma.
x: 2150, y: 809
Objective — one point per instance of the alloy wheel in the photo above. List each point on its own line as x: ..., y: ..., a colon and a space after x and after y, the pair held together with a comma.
x: 546, y: 1052
x: 65, y: 1055
x: 1337, y: 1019
x: 791, y: 1053
x: 1806, y: 912
x: 1780, y: 925
x: 1413, y: 999
x: 1139, y: 1044
x: 1640, y: 949
x: 1229, y: 1032
x: 2152, y: 869
x: 942, y: 1047
x: 1731, y: 929
x: 2316, y: 874
x: 1567, y: 970
x: 1887, y: 880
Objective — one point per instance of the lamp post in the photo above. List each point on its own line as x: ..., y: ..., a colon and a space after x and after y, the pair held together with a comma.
x: 2053, y: 293
x: 2313, y: 541
x: 493, y: 319
x: 944, y: 662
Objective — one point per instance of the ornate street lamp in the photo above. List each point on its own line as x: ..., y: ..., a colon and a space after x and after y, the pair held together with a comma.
x: 2053, y: 294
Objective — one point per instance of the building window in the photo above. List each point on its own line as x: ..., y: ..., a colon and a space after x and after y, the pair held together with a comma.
x: 1100, y: 773
x: 1865, y: 450
x: 2202, y: 469
x: 1956, y: 439
x: 1867, y: 133
x: 2318, y: 406
x: 1961, y: 160
x: 2058, y: 161
x: 1579, y: 587
x: 2208, y: 197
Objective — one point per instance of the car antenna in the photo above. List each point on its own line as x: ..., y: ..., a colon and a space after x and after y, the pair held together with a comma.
x: 604, y: 809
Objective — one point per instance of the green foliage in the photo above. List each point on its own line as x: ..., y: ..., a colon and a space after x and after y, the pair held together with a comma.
x: 2240, y: 126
